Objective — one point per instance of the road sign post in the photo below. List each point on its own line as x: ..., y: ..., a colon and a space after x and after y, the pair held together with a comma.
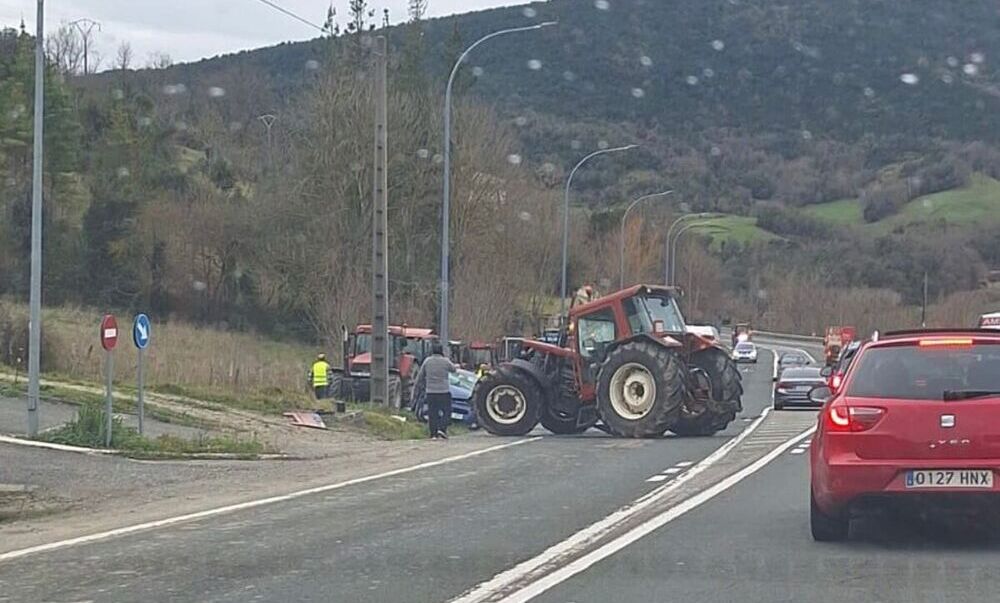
x: 141, y: 333
x: 109, y: 339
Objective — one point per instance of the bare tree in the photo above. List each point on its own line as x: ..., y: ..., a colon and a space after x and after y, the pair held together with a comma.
x: 417, y: 9
x: 158, y: 60
x: 64, y: 49
x: 123, y: 57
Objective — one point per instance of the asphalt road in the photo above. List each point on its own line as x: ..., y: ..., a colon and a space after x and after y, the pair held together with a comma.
x: 429, y: 535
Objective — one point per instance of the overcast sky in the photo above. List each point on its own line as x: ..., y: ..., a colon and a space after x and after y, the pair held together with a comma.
x: 188, y: 30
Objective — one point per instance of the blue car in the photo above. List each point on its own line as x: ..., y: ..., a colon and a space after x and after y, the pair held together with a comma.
x: 461, y: 383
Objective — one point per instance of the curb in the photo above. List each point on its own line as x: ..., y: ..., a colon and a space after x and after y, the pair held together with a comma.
x: 195, y: 456
x: 51, y: 446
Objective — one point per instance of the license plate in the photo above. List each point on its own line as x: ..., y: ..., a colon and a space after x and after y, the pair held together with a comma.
x: 455, y: 416
x: 950, y: 478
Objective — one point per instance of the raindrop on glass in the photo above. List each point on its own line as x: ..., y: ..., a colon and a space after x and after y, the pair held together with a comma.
x: 423, y: 153
x: 514, y: 159
x: 123, y: 172
x: 216, y: 92
x: 529, y: 12
x: 235, y: 126
x: 692, y: 80
x: 970, y: 69
x: 569, y: 76
x: 312, y: 64
x: 548, y: 168
x: 117, y: 94
x: 478, y: 71
x: 534, y: 64
x: 910, y: 79
x: 952, y: 62
x: 977, y: 58
x: 807, y: 135
x: 602, y: 5
x: 715, y: 151
x: 947, y: 78
x: 145, y: 122
x: 927, y: 203
x: 520, y: 121
x: 525, y: 216
x: 602, y: 144
x: 718, y: 45
x: 638, y: 92
x: 645, y: 61
x: 869, y: 92
x: 181, y: 126
x: 199, y: 285
x: 438, y: 158
x: 708, y: 73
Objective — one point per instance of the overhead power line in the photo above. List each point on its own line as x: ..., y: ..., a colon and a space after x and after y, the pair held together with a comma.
x: 292, y: 15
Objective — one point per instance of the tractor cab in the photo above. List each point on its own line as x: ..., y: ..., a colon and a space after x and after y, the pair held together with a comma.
x: 408, y: 347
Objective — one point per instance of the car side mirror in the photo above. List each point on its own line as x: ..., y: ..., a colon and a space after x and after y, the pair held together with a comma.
x: 820, y: 395
x: 826, y: 371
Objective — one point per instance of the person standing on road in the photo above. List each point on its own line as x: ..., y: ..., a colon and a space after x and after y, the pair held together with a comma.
x: 433, y: 379
x: 320, y: 375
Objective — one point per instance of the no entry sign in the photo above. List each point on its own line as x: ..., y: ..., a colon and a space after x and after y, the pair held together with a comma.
x: 109, y: 332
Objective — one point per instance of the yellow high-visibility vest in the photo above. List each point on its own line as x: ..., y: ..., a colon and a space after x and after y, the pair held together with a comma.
x: 320, y: 367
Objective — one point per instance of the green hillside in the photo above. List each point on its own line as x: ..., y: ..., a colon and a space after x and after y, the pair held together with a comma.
x: 842, y: 212
x: 733, y: 229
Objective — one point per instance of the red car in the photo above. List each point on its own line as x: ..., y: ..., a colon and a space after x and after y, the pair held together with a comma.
x: 916, y: 422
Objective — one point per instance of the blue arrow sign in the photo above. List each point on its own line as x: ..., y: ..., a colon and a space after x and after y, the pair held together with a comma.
x: 141, y: 331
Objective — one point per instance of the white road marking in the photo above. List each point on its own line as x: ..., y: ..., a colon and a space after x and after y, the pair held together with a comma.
x: 61, y: 544
x: 685, y: 463
x: 597, y: 530
x: 798, y: 451
x: 564, y: 573
x: 673, y: 470
x: 658, y: 478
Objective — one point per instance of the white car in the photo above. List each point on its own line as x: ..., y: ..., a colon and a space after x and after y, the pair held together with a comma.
x: 745, y: 352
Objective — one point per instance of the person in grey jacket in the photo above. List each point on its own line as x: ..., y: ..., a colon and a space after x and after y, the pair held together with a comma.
x: 433, y: 379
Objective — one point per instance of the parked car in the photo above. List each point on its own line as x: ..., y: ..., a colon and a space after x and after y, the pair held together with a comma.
x: 461, y: 383
x: 913, y: 426
x: 745, y: 352
x: 792, y: 359
x: 794, y: 385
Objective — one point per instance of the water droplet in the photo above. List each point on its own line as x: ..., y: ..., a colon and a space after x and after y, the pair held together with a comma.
x: 520, y: 121
x: 970, y: 69
x: 534, y: 64
x: 869, y: 92
x: 952, y: 61
x: 715, y: 151
x: 638, y: 92
x: 947, y: 78
x: 235, y: 126
x: 117, y: 94
x: 910, y: 79
x: 927, y: 203
x: 216, y: 92
x: 575, y: 145
x: 718, y: 45
x: 312, y: 64
x: 525, y: 216
x: 529, y: 12
x: 807, y: 135
x: 514, y: 159
x: 602, y: 5
x: 692, y: 80
x: 123, y: 172
x: 602, y: 144
x: 478, y: 71
x: 548, y: 168
x: 181, y: 126
x: 645, y: 61
x: 438, y: 158
x: 708, y: 73
x: 145, y: 122
x: 423, y: 153
x: 199, y: 285
x: 569, y: 76
x: 977, y: 58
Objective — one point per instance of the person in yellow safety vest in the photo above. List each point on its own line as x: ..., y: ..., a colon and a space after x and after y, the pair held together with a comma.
x: 320, y: 374
x: 481, y: 371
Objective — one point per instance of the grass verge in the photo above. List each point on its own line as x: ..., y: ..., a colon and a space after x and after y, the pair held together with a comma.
x: 88, y: 430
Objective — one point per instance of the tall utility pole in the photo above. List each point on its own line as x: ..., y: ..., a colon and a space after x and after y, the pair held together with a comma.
x: 35, y: 312
x: 446, y: 202
x: 86, y: 28
x: 380, y: 247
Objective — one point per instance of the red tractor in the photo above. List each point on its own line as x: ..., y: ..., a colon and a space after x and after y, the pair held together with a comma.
x: 629, y: 367
x: 408, y: 346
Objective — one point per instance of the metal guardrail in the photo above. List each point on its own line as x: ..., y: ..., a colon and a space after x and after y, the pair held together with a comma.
x: 784, y: 336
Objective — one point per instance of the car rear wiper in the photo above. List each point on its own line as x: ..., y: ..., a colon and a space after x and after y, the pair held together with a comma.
x: 952, y: 395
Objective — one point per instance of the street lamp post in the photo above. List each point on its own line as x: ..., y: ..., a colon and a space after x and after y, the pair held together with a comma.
x: 565, y: 234
x: 673, y: 250
x: 35, y: 287
x: 621, y: 261
x: 446, y: 205
x: 666, y: 243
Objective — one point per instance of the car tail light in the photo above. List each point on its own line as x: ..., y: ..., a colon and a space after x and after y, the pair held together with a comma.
x: 836, y: 381
x: 843, y: 418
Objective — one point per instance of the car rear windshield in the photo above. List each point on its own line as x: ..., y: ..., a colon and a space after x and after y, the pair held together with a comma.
x: 744, y: 347
x: 802, y: 373
x: 925, y: 372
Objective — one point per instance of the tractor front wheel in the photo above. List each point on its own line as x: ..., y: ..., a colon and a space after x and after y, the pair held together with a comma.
x: 507, y: 401
x: 641, y: 389
x: 725, y: 397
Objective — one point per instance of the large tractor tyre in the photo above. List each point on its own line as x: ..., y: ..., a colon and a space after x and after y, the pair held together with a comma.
x: 335, y: 389
x: 561, y: 422
x: 508, y: 402
x: 727, y: 391
x: 641, y: 389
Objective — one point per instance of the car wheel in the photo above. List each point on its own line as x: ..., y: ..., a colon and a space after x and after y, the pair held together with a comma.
x: 826, y: 528
x: 779, y: 405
